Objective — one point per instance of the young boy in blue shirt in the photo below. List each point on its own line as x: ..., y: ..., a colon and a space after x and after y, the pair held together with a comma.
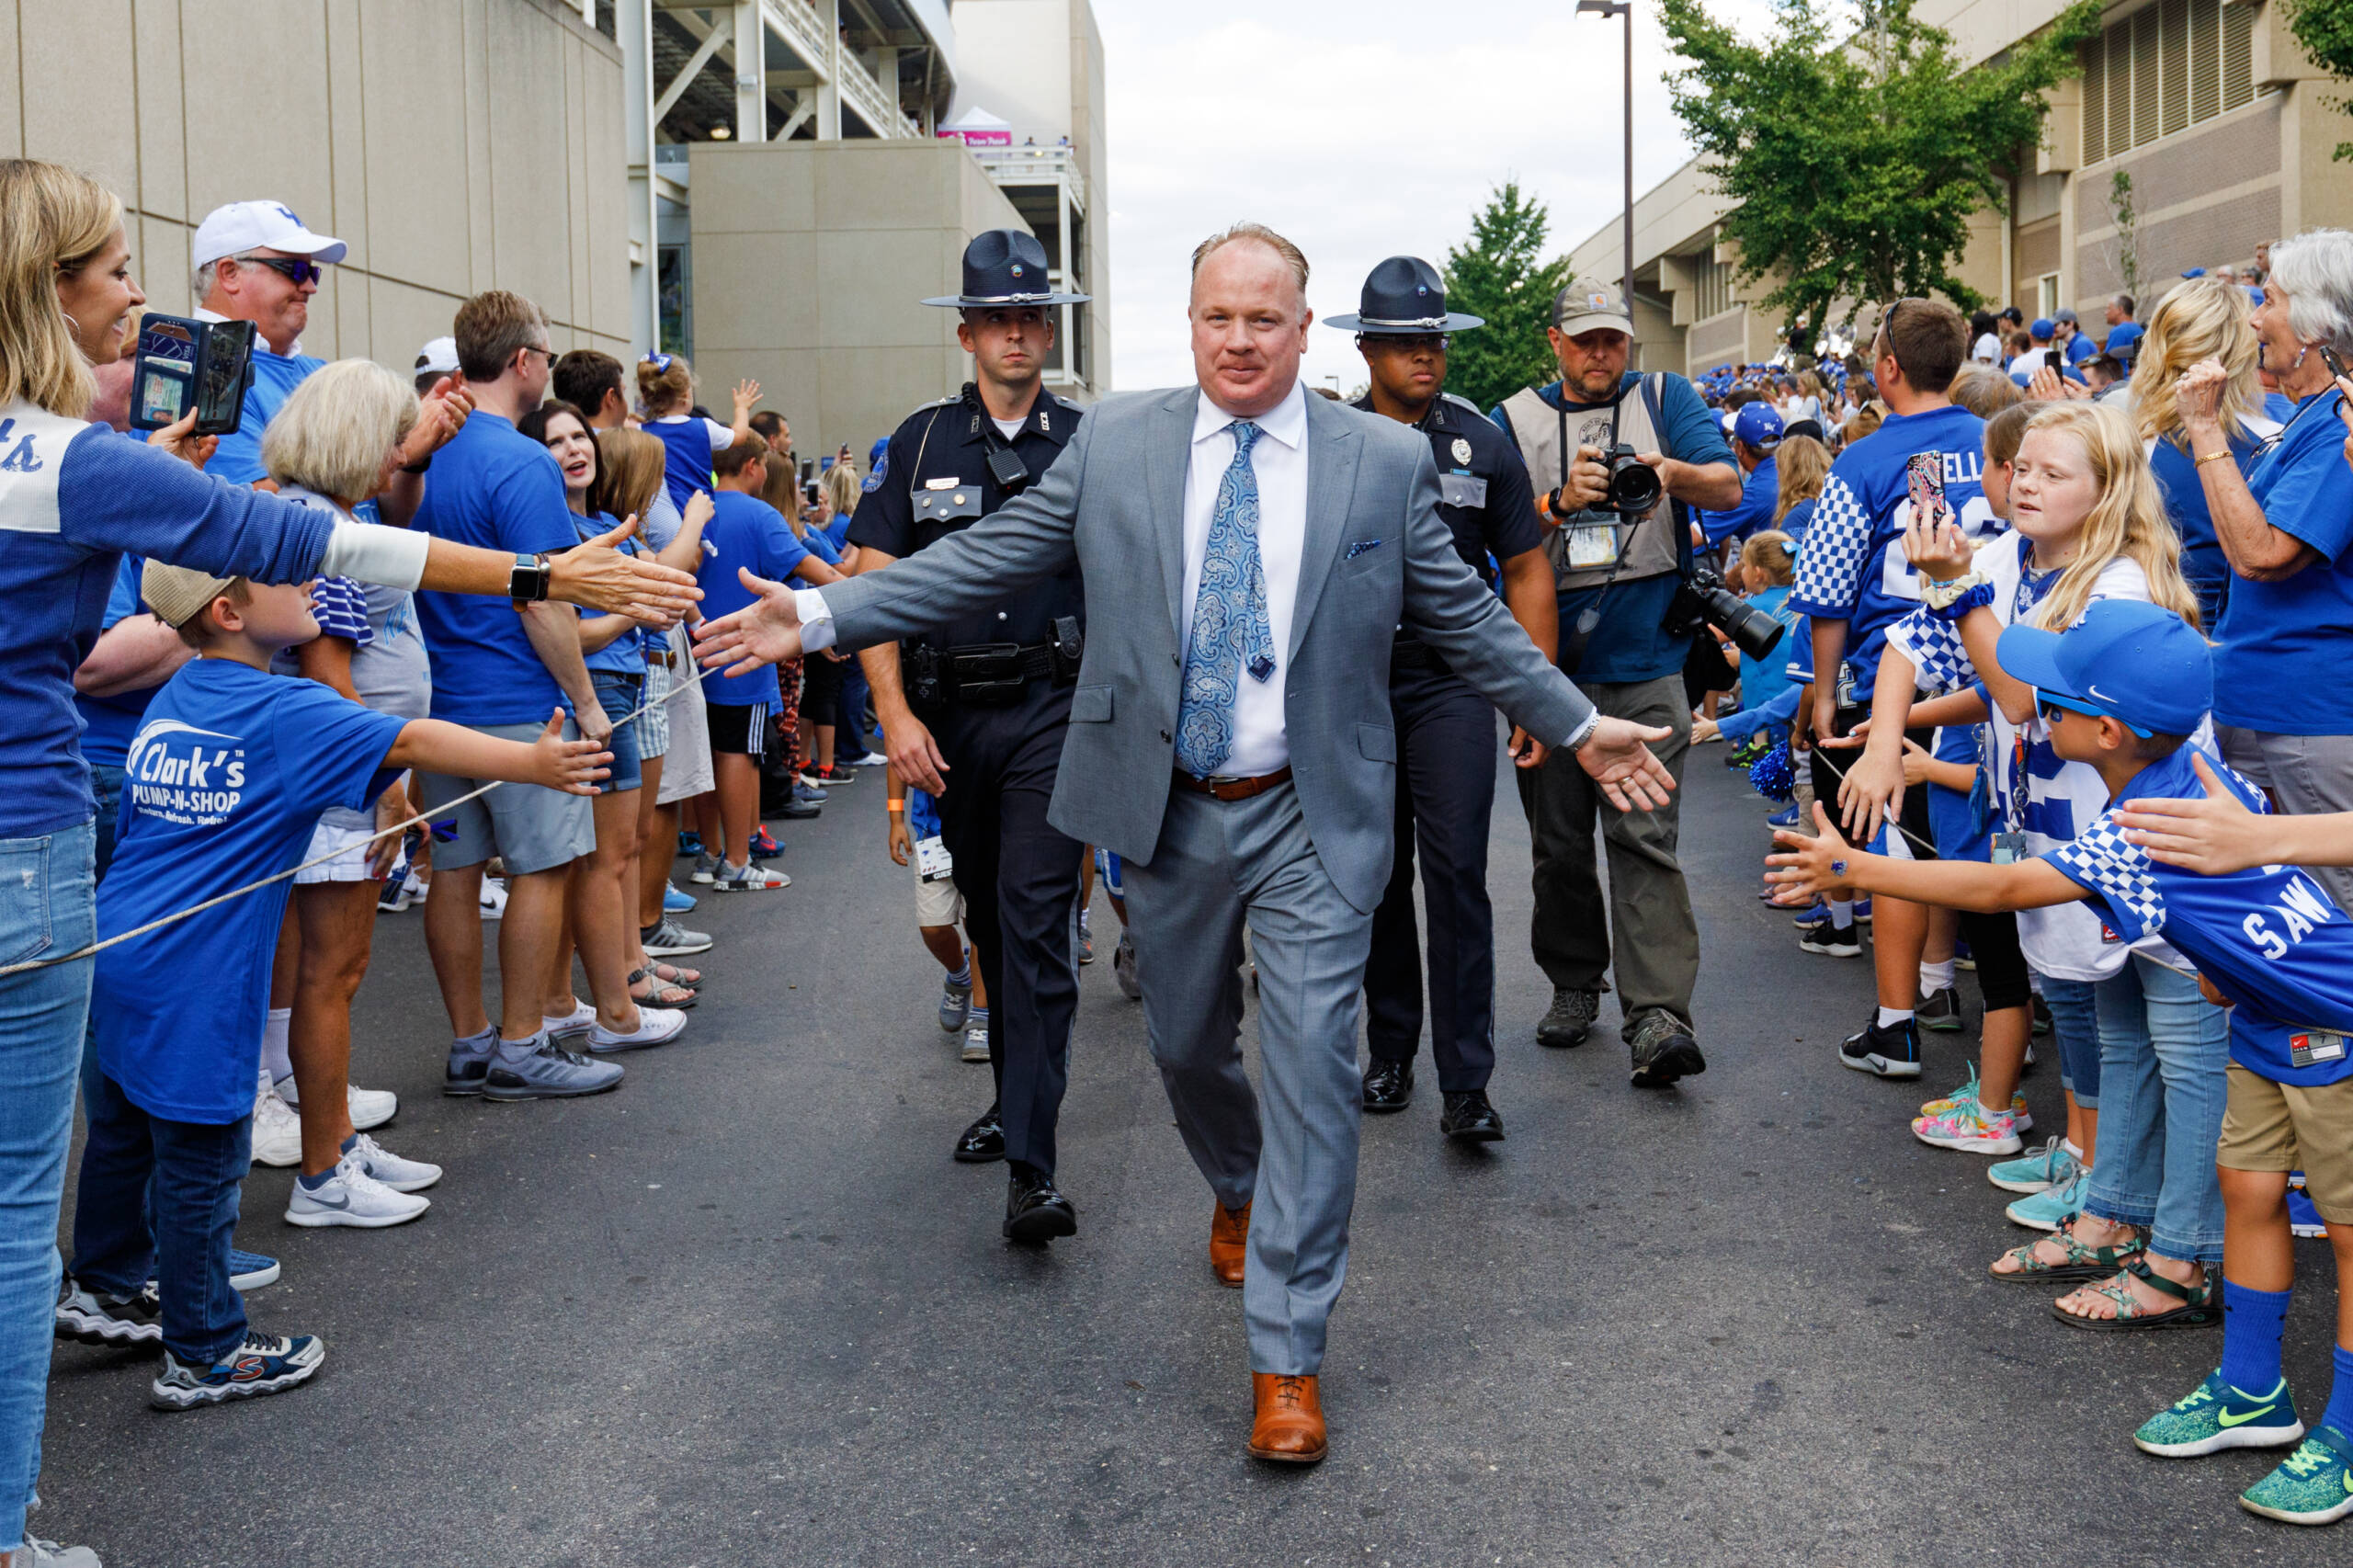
x: 224, y: 785
x: 2119, y: 691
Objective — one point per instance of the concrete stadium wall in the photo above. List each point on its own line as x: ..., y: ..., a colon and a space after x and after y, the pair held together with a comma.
x: 456, y: 146
x: 811, y: 262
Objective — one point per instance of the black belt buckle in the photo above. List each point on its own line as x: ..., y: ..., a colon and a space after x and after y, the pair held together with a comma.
x: 986, y: 673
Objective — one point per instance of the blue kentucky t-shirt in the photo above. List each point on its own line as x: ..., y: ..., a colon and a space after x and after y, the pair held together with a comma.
x: 1852, y: 568
x: 224, y: 784
x: 500, y: 489
x: 744, y: 531
x: 238, y: 458
x: 2269, y: 938
x: 2279, y: 667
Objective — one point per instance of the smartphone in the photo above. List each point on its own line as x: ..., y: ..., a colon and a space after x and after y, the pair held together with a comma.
x: 1923, y: 477
x: 2054, y: 359
x: 182, y: 362
x: 2329, y: 357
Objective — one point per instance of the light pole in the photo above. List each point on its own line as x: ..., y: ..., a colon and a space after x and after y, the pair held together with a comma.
x: 1624, y: 8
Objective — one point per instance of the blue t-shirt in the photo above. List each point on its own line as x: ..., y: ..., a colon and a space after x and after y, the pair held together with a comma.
x: 1759, y: 493
x: 2079, y: 348
x: 2284, y: 646
x: 1852, y: 568
x: 747, y: 532
x: 821, y: 545
x: 625, y: 654
x: 1800, y: 517
x: 499, y: 489
x: 1628, y: 644
x: 1952, y: 823
x: 687, y: 444
x: 2202, y: 561
x: 2279, y: 407
x: 1761, y: 680
x: 108, y: 722
x: 238, y: 458
x: 2269, y: 937
x: 225, y: 783
x: 836, y: 533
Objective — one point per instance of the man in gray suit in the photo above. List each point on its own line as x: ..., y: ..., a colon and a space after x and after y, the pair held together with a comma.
x: 1249, y: 554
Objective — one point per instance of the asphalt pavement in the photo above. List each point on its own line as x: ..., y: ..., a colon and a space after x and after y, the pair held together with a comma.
x: 745, y: 1311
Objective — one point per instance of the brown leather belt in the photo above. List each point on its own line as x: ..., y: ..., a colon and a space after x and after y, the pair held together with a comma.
x: 1232, y: 788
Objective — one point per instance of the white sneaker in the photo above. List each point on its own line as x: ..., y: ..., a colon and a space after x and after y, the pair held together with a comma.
x: 493, y: 898
x: 369, y: 1107
x: 400, y: 1175
x: 277, y: 1131
x: 655, y: 1025
x: 351, y: 1196
x: 580, y: 1020
x: 976, y: 1040
x: 39, y: 1553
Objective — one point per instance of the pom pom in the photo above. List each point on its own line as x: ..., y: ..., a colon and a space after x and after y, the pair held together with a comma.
x: 1774, y: 775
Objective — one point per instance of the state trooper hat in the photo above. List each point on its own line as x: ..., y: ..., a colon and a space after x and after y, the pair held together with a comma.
x: 1403, y: 296
x: 1005, y: 267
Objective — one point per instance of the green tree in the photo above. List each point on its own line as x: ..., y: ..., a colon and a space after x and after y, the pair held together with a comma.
x: 2325, y: 28
x: 1500, y: 274
x: 1856, y: 159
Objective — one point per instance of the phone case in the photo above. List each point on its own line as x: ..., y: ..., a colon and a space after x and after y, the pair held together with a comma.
x: 1924, y: 475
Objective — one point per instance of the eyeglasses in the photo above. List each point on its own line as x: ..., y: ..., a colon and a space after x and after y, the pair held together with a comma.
x: 298, y: 270
x: 534, y: 349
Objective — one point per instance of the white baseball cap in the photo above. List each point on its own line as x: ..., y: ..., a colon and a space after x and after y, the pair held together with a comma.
x: 439, y: 357
x: 259, y: 225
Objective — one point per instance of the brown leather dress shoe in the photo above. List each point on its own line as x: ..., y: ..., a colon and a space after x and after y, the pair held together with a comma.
x: 1229, y: 1243
x: 1289, y: 1424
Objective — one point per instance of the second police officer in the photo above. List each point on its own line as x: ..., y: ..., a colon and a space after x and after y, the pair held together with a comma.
x: 975, y: 711
x: 1446, y: 731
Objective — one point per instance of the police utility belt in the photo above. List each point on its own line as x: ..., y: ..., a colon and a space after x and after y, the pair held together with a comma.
x: 990, y: 675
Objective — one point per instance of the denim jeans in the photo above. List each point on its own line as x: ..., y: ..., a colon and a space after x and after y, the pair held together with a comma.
x: 48, y: 907
x: 2165, y: 1070
x: 2074, y: 1024
x: 191, y: 1172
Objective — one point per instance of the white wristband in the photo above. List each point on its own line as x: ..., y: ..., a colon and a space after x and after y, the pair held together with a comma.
x: 370, y: 553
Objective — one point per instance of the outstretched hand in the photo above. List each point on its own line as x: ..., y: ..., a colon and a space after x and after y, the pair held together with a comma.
x: 766, y: 631
x: 572, y: 767
x: 1618, y: 756
x: 598, y: 575
x: 1812, y: 867
x: 2210, y: 836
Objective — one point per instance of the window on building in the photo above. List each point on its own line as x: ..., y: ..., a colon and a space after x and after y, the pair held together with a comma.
x: 2167, y: 66
x: 2046, y: 294
x: 1711, y: 288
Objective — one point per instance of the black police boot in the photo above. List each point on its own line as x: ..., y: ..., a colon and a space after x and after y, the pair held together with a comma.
x: 1034, y: 1211
x: 1570, y: 1018
x: 1889, y: 1052
x: 1663, y: 1051
x: 1388, y: 1086
x: 1469, y: 1116
x: 983, y: 1141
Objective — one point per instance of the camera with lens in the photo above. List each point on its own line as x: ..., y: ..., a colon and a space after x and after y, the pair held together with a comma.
x: 1703, y: 600
x: 1633, y: 486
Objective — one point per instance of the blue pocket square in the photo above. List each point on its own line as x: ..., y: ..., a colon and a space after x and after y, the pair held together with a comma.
x: 1361, y: 547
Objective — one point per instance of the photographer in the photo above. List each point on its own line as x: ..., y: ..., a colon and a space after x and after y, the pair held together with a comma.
x: 1598, y: 429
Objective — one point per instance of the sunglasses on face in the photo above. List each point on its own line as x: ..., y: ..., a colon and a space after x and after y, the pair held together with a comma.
x: 296, y: 270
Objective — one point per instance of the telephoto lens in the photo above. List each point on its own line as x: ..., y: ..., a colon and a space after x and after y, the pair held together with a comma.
x: 1633, y: 484
x: 1752, y: 631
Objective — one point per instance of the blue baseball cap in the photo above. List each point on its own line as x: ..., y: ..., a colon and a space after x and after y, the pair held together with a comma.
x: 2042, y: 327
x: 1759, y: 425
x: 2137, y: 663
x: 2195, y: 272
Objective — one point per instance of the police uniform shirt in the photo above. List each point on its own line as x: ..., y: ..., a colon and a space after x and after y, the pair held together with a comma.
x: 934, y: 479
x: 1484, y: 490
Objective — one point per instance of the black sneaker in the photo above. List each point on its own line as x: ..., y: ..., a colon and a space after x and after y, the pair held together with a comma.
x: 1388, y: 1086
x: 1892, y: 1053
x: 263, y: 1364
x: 1823, y: 937
x: 1569, y: 1019
x: 92, y: 1317
x: 1941, y: 1012
x: 1663, y: 1051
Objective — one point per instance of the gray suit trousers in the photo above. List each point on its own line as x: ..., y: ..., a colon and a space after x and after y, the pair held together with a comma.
x: 1218, y: 864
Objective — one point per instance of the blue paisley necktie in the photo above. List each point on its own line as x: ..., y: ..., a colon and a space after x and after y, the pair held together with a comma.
x: 1230, y: 628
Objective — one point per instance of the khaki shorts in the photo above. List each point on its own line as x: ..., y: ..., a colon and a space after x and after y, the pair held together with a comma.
x: 937, y: 903
x: 2268, y: 1126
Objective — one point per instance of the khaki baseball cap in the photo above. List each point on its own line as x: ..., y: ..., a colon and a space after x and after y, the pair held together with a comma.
x: 177, y: 595
x: 1588, y: 304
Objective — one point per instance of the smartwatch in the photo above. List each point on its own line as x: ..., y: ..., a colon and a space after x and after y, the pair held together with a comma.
x: 528, y: 581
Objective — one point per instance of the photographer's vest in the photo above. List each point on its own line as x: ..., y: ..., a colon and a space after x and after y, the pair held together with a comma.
x: 1593, y: 547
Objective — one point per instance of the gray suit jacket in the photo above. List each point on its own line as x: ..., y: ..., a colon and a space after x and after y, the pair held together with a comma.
x: 1376, y: 553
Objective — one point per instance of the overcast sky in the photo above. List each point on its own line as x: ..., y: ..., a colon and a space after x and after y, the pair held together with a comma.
x: 1360, y: 128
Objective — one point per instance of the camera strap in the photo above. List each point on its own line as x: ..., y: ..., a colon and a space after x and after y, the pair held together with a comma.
x: 1590, y: 617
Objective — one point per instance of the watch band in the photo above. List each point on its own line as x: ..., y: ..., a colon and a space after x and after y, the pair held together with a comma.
x: 529, y: 580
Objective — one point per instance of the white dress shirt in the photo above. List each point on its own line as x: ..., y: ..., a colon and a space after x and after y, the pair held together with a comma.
x: 1279, y: 460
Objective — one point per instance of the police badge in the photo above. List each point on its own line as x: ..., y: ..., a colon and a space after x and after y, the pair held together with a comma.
x: 1462, y: 450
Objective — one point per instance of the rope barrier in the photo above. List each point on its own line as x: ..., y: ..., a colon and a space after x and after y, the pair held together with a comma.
x: 1832, y: 764
x: 96, y: 948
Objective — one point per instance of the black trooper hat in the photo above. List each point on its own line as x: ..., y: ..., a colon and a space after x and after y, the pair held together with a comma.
x: 1403, y: 296
x: 1005, y: 267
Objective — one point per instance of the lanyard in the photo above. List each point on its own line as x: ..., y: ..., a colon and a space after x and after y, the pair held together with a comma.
x: 2031, y: 591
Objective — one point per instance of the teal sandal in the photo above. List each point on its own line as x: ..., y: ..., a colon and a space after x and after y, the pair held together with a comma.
x: 2198, y: 1308
x: 2082, y: 1263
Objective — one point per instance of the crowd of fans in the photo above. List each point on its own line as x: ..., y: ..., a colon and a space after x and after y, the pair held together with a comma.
x: 2062, y: 697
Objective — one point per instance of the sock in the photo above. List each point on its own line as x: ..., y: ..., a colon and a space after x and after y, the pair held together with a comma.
x: 346, y: 1145
x: 2339, y: 1412
x: 1890, y: 1017
x: 1842, y: 915
x: 963, y: 978
x: 519, y: 1048
x: 272, y: 1044
x: 2069, y: 1144
x: 2253, y: 1322
x: 312, y: 1183
x: 474, y: 1044
x: 978, y: 1018
x: 1936, y: 977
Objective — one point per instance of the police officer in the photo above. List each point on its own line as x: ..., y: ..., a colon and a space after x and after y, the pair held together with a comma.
x: 975, y: 711
x: 1446, y: 732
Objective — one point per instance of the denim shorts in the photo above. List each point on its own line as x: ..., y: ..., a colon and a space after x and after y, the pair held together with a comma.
x: 619, y: 695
